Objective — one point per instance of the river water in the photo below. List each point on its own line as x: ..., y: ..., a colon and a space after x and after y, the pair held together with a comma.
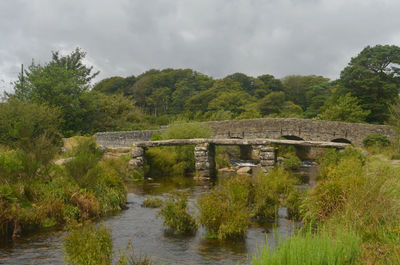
x: 144, y: 230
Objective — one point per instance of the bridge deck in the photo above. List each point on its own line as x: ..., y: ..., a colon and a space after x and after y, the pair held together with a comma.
x: 255, y: 141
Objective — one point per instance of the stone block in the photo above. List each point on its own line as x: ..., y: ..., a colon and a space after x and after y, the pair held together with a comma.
x: 267, y: 149
x: 200, y: 148
x: 267, y: 156
x: 200, y: 153
x: 267, y: 163
x: 137, y: 151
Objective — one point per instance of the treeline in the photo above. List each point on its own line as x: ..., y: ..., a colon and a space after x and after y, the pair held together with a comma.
x: 366, y: 89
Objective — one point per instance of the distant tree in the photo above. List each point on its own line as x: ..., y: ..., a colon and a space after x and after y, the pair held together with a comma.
x: 373, y: 76
x: 115, y: 85
x: 232, y: 101
x: 316, y: 96
x: 246, y: 82
x: 271, y: 103
x: 345, y: 108
x: 271, y: 83
x: 297, y: 87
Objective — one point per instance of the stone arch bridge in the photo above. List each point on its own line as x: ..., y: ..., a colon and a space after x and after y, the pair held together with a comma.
x: 271, y: 128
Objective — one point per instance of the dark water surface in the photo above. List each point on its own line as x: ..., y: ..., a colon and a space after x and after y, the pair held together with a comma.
x: 145, y: 231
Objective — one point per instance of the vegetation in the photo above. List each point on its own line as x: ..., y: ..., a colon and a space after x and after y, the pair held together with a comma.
x: 88, y: 245
x: 321, y: 248
x: 32, y: 198
x: 361, y: 193
x: 176, y: 216
x: 225, y: 211
x: 92, y: 245
x: 376, y: 140
x: 175, y: 160
x: 152, y: 202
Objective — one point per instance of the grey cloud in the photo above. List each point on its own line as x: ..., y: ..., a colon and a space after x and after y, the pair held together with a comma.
x: 216, y: 37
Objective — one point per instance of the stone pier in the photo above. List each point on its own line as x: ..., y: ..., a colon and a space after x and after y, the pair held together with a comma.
x: 204, y: 155
x: 267, y: 158
x: 137, y: 161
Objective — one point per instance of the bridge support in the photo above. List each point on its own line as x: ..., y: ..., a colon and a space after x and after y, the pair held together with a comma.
x: 267, y: 158
x: 137, y: 154
x: 204, y: 155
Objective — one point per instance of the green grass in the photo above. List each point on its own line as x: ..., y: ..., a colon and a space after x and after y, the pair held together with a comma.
x: 307, y: 248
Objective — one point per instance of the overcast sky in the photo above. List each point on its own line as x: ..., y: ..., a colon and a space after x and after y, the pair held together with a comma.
x: 215, y: 37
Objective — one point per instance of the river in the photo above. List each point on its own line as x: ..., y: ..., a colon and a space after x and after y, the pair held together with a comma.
x: 145, y: 231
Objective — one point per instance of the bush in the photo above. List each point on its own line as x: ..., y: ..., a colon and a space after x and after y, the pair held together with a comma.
x: 365, y: 198
x: 293, y: 204
x: 26, y: 126
x: 86, y: 156
x: 88, y: 245
x: 152, y: 202
x: 269, y: 190
x: 224, y: 211
x: 176, y: 216
x: 325, y: 248
x: 376, y: 139
x: 291, y: 161
x: 332, y: 157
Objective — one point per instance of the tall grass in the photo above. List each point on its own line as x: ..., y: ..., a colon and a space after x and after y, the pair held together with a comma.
x: 341, y: 247
x: 362, y: 193
x: 176, y: 216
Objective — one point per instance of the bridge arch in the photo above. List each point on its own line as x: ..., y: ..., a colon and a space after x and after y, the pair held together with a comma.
x: 292, y: 137
x: 341, y: 140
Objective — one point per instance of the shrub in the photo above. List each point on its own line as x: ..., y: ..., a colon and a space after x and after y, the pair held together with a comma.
x: 176, y: 216
x: 87, y: 155
x: 152, y: 202
x: 291, y: 161
x: 224, y: 211
x: 322, y: 248
x: 269, y: 190
x: 88, y: 245
x: 30, y: 127
x: 87, y: 204
x: 332, y: 157
x: 376, y: 139
x: 293, y: 204
x: 365, y: 198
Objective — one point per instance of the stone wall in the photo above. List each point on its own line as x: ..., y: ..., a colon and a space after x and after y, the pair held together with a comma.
x: 274, y: 128
x: 124, y: 138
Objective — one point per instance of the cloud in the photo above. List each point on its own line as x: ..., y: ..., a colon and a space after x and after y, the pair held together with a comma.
x: 215, y: 37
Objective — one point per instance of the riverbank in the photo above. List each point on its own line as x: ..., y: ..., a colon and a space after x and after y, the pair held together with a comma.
x: 83, y: 188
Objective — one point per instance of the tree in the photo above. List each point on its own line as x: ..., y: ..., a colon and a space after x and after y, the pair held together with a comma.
x: 373, y: 76
x: 297, y: 87
x: 272, y: 103
x: 115, y: 85
x: 345, y: 108
x: 59, y: 83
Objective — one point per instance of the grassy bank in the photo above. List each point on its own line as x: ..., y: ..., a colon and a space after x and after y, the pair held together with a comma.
x: 358, y: 192
x: 36, y: 195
